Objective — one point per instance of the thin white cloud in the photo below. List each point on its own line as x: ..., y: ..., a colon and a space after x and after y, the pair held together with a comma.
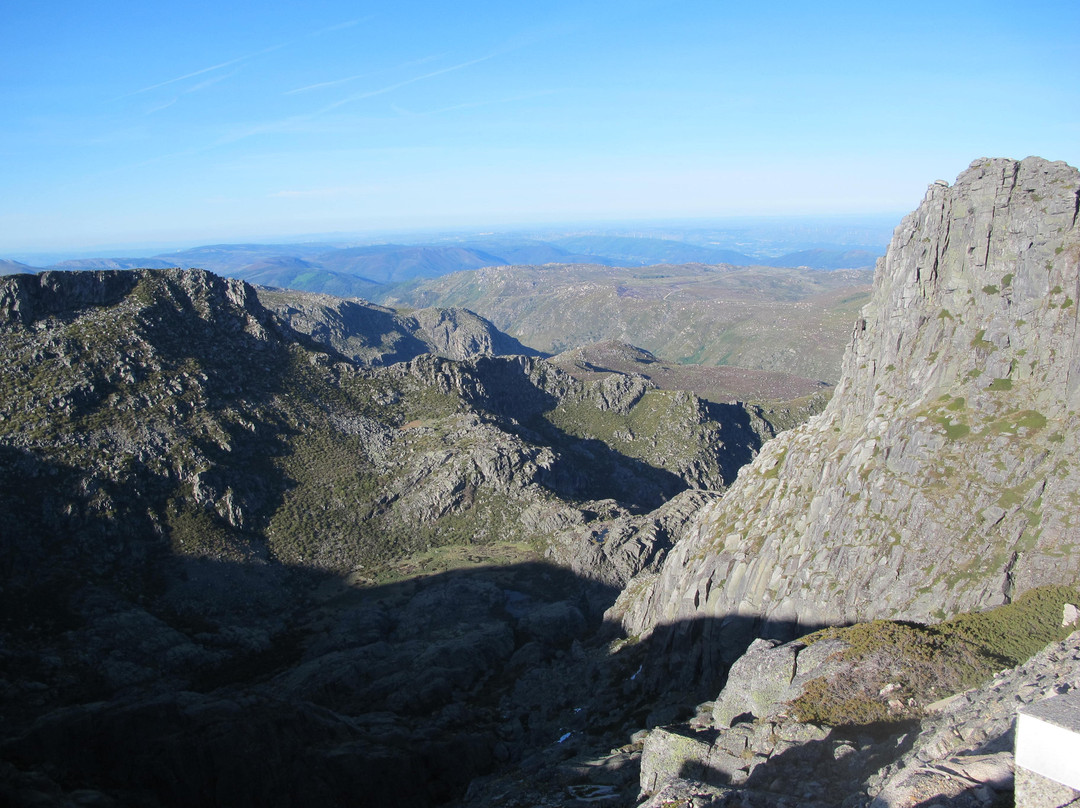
x: 193, y: 89
x: 341, y: 25
x: 214, y: 80
x: 473, y: 105
x: 195, y: 73
x: 296, y: 120
x: 322, y: 84
x: 245, y: 57
x: 406, y: 82
x: 165, y: 105
x: 347, y: 79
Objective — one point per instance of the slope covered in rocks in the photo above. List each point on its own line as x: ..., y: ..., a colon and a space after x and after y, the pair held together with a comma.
x: 217, y: 525
x: 174, y: 405
x: 941, y: 476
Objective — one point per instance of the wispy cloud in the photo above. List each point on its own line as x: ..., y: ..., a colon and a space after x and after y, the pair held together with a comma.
x: 164, y: 105
x: 193, y: 89
x: 210, y: 81
x: 298, y: 120
x: 342, y: 25
x: 195, y: 73
x: 405, y: 83
x: 474, y: 104
x: 295, y: 121
x: 339, y: 26
x: 313, y: 193
x: 347, y: 79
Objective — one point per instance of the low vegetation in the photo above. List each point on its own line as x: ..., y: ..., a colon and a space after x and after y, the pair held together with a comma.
x: 892, y: 670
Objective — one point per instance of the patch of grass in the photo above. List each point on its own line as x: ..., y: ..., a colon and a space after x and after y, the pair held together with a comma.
x: 1031, y: 419
x: 953, y: 430
x: 1000, y: 385
x: 893, y: 669
x: 774, y: 472
x: 981, y: 344
x: 990, y: 289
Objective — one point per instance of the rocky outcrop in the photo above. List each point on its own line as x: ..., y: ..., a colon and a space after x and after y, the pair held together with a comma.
x: 940, y: 477
x: 377, y: 335
x: 960, y: 754
x: 613, y: 551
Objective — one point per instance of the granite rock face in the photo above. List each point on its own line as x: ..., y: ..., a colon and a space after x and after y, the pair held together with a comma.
x: 940, y: 476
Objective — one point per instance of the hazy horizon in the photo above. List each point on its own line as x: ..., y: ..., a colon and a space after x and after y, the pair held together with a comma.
x: 198, y: 123
x: 785, y: 234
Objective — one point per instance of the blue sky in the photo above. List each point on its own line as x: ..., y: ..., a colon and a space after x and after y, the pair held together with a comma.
x: 134, y: 122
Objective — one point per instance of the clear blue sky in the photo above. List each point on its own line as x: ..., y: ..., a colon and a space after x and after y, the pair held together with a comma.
x: 136, y: 122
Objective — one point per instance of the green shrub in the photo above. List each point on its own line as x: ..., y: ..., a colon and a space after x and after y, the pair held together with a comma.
x: 1016, y: 632
x: 894, y: 669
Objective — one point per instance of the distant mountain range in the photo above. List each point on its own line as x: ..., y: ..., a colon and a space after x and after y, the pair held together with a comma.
x: 349, y: 270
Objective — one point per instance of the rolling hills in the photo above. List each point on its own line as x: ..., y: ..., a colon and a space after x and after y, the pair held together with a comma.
x: 794, y: 321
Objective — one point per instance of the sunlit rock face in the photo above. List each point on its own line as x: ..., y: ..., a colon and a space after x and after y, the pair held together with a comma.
x: 941, y: 476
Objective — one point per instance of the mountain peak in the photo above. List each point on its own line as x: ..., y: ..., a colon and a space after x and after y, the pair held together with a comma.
x: 939, y: 478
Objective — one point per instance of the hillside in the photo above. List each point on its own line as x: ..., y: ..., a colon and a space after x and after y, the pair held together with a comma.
x: 821, y: 258
x: 780, y: 320
x: 351, y: 269
x: 219, y: 524
x: 182, y: 383
x: 941, y: 476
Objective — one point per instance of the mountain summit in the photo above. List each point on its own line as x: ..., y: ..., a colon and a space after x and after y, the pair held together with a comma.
x: 940, y: 477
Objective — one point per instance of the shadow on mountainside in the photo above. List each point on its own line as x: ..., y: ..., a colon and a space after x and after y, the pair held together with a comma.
x: 278, y: 686
x: 821, y: 772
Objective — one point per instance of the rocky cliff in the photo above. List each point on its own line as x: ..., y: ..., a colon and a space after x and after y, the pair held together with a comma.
x: 941, y: 476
